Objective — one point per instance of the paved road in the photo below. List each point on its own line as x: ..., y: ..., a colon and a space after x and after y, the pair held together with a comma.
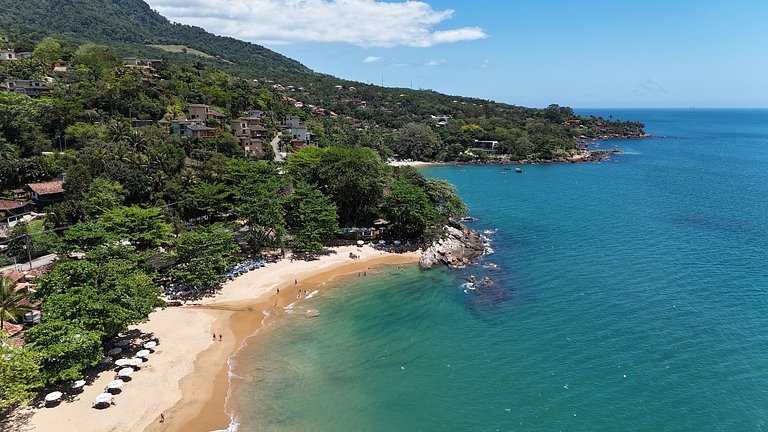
x: 276, y: 147
x: 37, y: 262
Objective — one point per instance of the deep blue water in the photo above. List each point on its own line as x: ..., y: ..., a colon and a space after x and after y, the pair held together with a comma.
x: 630, y: 295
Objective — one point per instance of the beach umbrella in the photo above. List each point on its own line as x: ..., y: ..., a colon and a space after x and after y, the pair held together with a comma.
x: 114, y: 351
x: 360, y: 242
x: 150, y: 344
x: 78, y: 384
x: 142, y: 353
x: 124, y: 342
x: 397, y: 242
x: 104, y: 398
x: 106, y: 359
x: 115, y: 384
x: 122, y: 362
x: 53, y: 396
x: 382, y: 241
x: 135, y: 362
x: 125, y: 372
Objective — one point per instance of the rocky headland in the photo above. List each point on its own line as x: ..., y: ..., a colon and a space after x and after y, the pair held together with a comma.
x: 459, y: 247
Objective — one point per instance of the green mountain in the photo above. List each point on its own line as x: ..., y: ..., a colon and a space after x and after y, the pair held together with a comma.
x: 133, y: 24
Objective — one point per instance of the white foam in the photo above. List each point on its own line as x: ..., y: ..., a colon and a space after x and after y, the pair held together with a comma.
x: 312, y: 294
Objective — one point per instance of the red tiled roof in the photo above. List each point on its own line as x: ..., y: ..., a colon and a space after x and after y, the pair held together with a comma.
x: 14, y: 275
x: 47, y: 188
x: 6, y: 205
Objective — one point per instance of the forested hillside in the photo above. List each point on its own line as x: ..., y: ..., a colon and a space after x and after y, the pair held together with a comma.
x: 132, y: 23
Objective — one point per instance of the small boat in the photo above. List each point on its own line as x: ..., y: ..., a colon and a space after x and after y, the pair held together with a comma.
x: 518, y: 170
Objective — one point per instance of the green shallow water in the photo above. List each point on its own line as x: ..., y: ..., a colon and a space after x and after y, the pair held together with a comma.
x: 630, y: 295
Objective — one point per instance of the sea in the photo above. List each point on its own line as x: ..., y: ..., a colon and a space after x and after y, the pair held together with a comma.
x: 627, y: 295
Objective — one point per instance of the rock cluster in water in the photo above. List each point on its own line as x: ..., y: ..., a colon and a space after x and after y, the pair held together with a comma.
x: 459, y: 247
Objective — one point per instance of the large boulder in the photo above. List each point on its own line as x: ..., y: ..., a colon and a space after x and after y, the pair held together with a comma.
x: 460, y: 246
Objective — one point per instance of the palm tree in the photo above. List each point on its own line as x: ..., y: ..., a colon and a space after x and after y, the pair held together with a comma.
x: 11, y: 306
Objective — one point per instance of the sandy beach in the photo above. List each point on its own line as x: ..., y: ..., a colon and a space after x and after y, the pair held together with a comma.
x: 186, y: 378
x: 413, y: 163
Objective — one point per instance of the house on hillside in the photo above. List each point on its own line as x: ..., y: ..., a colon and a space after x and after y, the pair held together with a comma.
x: 202, y: 112
x: 60, y: 66
x: 12, y: 211
x: 46, y: 192
x: 27, y: 87
x: 250, y: 134
x: 7, y: 55
x: 482, y: 146
x: 137, y: 61
x: 296, y: 127
x: 192, y: 129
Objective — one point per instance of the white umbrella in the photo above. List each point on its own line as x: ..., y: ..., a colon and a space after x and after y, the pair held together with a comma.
x: 104, y: 398
x: 114, y: 351
x: 142, y: 353
x: 115, y: 384
x: 360, y: 242
x: 125, y: 372
x: 122, y: 362
x: 135, y: 362
x: 106, y: 359
x: 150, y: 344
x: 382, y: 241
x: 397, y: 242
x: 53, y: 396
x: 78, y: 384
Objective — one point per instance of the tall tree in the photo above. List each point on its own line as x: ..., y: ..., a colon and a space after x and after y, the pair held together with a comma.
x: 314, y: 218
x: 12, y: 306
x: 408, y: 209
x: 19, y: 374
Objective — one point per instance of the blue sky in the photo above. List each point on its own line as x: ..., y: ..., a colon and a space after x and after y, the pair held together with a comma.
x: 585, y: 53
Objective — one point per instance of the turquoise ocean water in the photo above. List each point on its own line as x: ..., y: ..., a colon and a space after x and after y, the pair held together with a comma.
x: 630, y: 296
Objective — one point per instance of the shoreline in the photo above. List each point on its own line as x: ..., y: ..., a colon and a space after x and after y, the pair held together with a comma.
x: 187, y: 378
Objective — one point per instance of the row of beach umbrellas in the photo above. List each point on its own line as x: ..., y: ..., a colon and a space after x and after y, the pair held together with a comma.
x: 127, y: 366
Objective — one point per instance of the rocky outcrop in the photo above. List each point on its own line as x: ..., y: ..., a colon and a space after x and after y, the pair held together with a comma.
x: 459, y: 247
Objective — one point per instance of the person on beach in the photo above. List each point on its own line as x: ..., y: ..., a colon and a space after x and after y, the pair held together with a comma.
x: 278, y: 290
x: 214, y: 336
x: 295, y: 281
x: 219, y: 337
x: 162, y: 417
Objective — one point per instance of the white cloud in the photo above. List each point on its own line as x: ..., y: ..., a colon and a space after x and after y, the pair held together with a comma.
x: 435, y: 62
x: 372, y: 59
x: 364, y: 23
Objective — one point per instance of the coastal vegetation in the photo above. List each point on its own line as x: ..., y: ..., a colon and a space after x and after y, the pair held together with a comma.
x: 144, y: 209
